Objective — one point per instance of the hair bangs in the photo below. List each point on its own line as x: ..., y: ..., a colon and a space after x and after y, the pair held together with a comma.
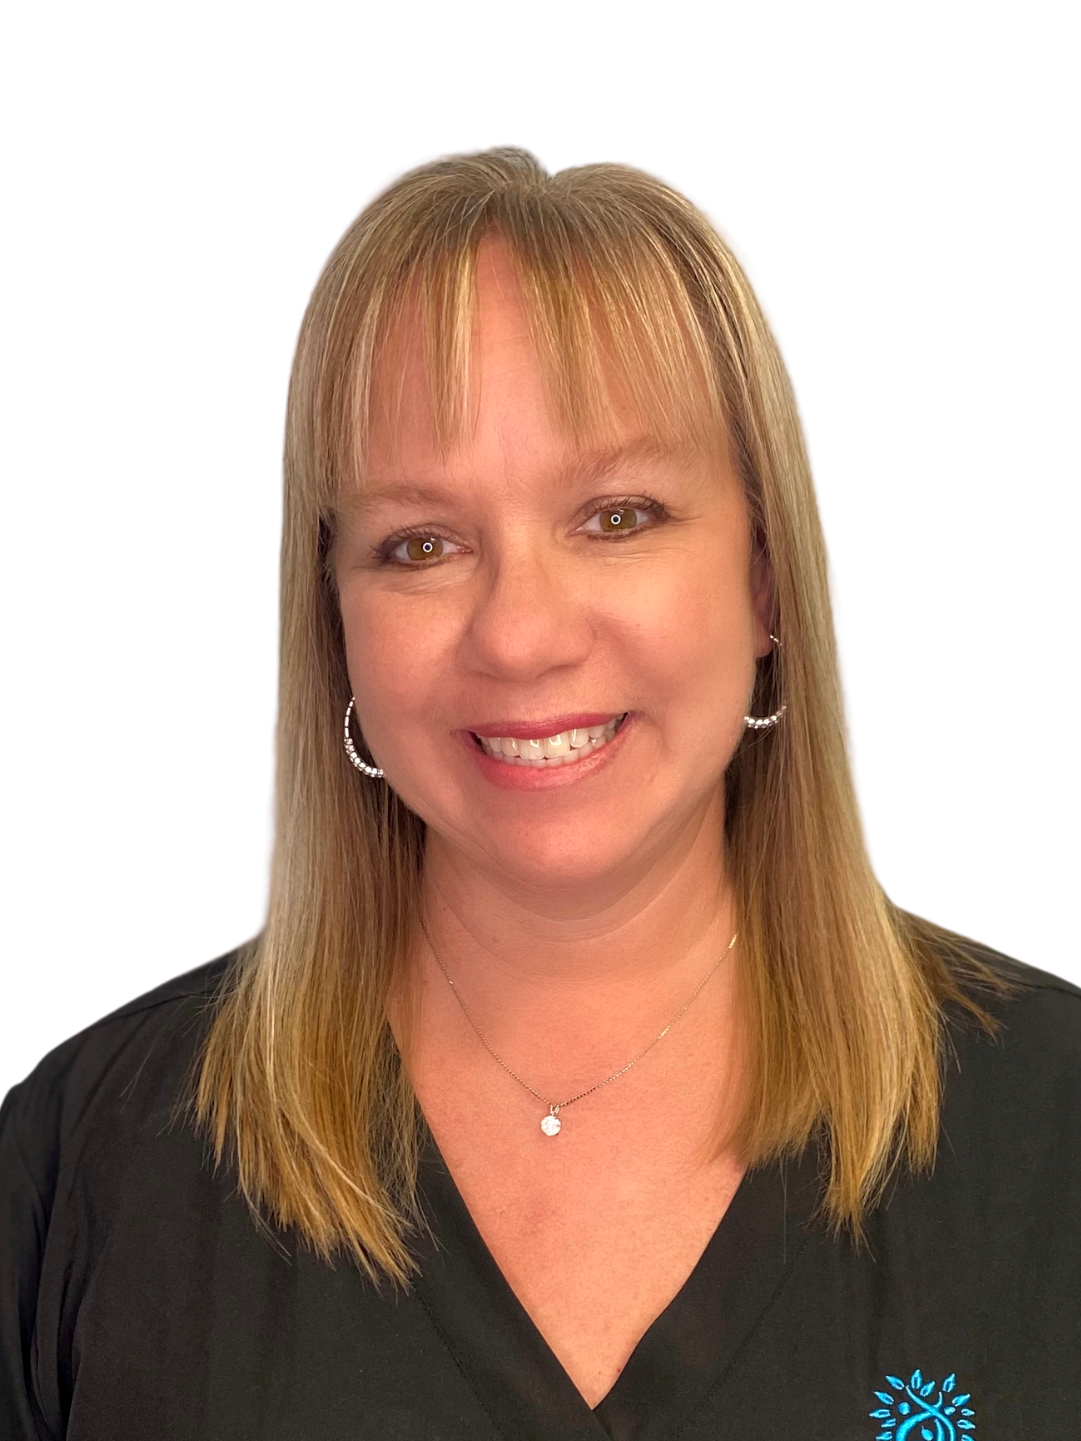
x: 617, y: 328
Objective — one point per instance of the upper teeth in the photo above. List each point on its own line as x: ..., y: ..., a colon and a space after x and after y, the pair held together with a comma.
x: 557, y: 750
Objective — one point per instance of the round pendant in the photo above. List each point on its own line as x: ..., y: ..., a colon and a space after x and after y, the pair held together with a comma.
x: 551, y: 1125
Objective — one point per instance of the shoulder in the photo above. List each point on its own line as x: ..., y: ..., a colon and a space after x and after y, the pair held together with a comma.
x: 79, y: 1139
x: 1037, y: 1012
x: 131, y: 1065
x: 1016, y: 1089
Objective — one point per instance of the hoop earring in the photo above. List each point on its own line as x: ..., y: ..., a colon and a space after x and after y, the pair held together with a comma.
x: 351, y: 750
x: 765, y: 722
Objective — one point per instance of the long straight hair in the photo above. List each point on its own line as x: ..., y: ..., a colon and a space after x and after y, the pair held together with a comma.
x: 301, y: 1085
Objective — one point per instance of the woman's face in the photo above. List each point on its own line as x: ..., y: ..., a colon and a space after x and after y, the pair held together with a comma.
x: 552, y: 645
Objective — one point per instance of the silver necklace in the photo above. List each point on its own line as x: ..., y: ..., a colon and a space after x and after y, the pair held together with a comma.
x: 551, y: 1125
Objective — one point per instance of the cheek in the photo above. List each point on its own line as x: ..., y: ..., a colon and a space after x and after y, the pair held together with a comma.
x: 689, y: 633
x: 397, y: 652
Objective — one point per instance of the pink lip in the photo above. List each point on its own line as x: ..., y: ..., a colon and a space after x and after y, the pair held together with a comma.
x: 544, y: 778
x: 522, y: 730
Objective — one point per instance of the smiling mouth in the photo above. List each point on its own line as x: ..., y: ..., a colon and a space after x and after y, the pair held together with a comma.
x: 564, y: 749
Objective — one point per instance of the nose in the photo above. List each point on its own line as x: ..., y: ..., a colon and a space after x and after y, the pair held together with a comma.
x: 531, y: 616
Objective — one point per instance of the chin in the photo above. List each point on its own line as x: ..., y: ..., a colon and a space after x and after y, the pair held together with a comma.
x: 547, y: 869
x: 583, y: 851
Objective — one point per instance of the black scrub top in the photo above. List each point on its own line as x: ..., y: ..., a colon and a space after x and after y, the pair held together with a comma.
x: 138, y: 1299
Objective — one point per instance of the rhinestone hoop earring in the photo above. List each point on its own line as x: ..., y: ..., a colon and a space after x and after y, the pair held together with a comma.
x: 351, y: 750
x: 765, y: 722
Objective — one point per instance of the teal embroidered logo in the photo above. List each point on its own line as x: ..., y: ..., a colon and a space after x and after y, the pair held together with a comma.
x: 914, y: 1410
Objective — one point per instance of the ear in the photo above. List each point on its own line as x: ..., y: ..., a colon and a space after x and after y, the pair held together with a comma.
x: 763, y: 597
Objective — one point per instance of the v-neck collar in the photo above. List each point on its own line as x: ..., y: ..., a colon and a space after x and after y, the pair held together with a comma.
x: 681, y: 1357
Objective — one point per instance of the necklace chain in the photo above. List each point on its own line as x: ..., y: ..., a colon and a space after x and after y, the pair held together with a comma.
x: 551, y: 1124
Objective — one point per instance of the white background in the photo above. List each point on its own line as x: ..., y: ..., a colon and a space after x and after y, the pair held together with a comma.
x: 900, y: 181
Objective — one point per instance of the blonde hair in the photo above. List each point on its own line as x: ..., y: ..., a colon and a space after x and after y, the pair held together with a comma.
x: 301, y: 1085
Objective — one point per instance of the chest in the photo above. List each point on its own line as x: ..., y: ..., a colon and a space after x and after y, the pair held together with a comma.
x: 193, y: 1326
x: 597, y: 1228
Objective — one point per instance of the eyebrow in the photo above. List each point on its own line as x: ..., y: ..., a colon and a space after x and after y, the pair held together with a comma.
x: 406, y: 492
x: 581, y: 467
x: 600, y: 462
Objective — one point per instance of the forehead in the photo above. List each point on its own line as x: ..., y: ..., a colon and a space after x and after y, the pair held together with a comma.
x: 495, y: 386
x: 497, y: 379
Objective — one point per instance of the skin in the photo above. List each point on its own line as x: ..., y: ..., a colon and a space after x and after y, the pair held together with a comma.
x: 577, y: 910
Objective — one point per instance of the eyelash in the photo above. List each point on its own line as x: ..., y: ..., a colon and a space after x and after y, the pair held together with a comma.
x: 384, y: 552
x: 654, y: 509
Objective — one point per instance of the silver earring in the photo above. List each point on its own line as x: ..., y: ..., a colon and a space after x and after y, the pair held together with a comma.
x: 351, y: 750
x: 763, y: 723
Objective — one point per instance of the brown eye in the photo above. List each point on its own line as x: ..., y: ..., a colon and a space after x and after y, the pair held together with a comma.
x: 612, y: 521
x: 418, y: 550
x: 619, y: 517
x: 424, y: 547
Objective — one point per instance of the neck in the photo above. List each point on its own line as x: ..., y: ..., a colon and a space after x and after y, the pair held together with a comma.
x: 519, y: 932
x: 567, y: 992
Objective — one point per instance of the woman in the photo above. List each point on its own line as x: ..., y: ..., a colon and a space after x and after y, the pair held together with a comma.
x: 583, y: 1081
